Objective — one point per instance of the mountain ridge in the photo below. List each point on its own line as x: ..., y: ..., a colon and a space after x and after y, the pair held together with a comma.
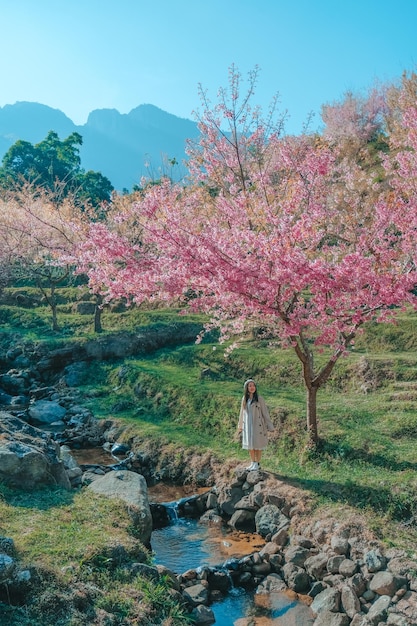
x: 122, y: 146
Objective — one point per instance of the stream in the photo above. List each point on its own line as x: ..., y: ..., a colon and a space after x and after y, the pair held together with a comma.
x: 188, y: 544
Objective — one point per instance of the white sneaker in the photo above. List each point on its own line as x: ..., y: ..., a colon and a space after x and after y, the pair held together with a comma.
x: 255, y: 467
x: 250, y: 467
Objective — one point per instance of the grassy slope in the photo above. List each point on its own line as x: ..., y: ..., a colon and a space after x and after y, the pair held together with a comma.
x: 190, y: 396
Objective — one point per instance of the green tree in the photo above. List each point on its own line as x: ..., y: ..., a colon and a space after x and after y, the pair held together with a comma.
x: 55, y: 164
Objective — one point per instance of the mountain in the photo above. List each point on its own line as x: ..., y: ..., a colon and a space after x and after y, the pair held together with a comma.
x: 123, y: 147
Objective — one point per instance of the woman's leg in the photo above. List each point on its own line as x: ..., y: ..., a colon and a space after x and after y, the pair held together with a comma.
x: 257, y: 456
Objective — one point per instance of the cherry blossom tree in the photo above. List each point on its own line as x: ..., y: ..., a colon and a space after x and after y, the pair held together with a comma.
x: 34, y: 230
x: 285, y: 234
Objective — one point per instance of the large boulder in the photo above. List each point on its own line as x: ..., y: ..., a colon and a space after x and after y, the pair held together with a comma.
x: 131, y: 488
x: 29, y: 458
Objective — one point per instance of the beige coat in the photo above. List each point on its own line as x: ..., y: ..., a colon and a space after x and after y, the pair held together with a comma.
x: 255, y: 425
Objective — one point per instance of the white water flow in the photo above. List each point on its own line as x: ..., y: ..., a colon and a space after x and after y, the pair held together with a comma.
x: 187, y: 544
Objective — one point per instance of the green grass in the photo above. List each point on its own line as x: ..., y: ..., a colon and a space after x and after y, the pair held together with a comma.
x: 189, y: 397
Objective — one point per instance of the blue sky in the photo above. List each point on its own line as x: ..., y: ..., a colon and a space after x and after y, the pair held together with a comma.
x: 82, y: 55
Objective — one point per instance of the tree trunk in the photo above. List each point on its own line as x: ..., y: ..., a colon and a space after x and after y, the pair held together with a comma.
x: 312, y: 414
x: 54, y: 310
x: 98, y: 328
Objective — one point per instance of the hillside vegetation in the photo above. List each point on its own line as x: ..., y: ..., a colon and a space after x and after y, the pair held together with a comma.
x: 190, y: 395
x: 188, y: 398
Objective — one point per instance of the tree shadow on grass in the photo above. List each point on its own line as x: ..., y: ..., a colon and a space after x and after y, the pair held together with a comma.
x: 345, y: 452
x: 399, y: 506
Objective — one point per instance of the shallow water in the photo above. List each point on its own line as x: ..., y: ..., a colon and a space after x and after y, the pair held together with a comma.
x: 188, y: 544
x: 94, y: 456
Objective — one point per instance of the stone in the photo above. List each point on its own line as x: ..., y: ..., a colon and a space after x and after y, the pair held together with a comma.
x: 280, y: 537
x: 46, y: 412
x: 374, y: 561
x: 339, y: 545
x: 327, y: 600
x: 196, y: 594
x: 407, y: 606
x: 7, y: 564
x: 316, y: 565
x: 384, y: 584
x: 296, y: 578
x: 350, y: 601
x: 262, y: 569
x: 379, y: 610
x: 359, y: 620
x: 227, y: 499
x: 327, y: 618
x: 358, y: 583
x: 348, y: 568
x: 219, y: 580
x: 269, y: 520
x: 402, y: 566
x: 246, y: 503
x: 29, y: 458
x: 316, y: 588
x: 296, y: 555
x: 272, y: 583
x: 131, y: 488
x: 202, y: 615
x: 269, y: 549
x: 243, y: 520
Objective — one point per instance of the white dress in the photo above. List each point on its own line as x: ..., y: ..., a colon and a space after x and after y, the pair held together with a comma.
x: 247, y: 434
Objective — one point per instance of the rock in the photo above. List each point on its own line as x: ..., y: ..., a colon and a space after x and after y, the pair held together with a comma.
x: 374, y: 560
x: 296, y: 578
x: 296, y: 555
x: 272, y: 583
x: 327, y: 600
x: 348, y: 568
x: 219, y: 580
x: 196, y: 594
x: 202, y: 615
x: 243, y: 520
x: 269, y: 520
x: 132, y: 489
x: 407, y: 606
x: 46, y: 412
x: 378, y: 611
x: 350, y: 601
x: 316, y: 565
x: 29, y: 458
x: 280, y: 537
x: 316, y: 588
x: 384, y: 584
x: 7, y: 564
x: 333, y: 564
x: 227, y: 499
x: 327, y: 618
x: 339, y: 545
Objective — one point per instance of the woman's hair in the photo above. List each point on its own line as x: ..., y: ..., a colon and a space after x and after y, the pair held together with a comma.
x: 246, y: 391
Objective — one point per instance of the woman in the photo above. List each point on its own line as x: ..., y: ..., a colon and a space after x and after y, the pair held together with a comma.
x: 254, y: 423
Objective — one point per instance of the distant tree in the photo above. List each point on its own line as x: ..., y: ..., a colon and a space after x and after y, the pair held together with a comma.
x: 95, y: 190
x: 358, y: 119
x: 34, y: 230
x: 52, y: 164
